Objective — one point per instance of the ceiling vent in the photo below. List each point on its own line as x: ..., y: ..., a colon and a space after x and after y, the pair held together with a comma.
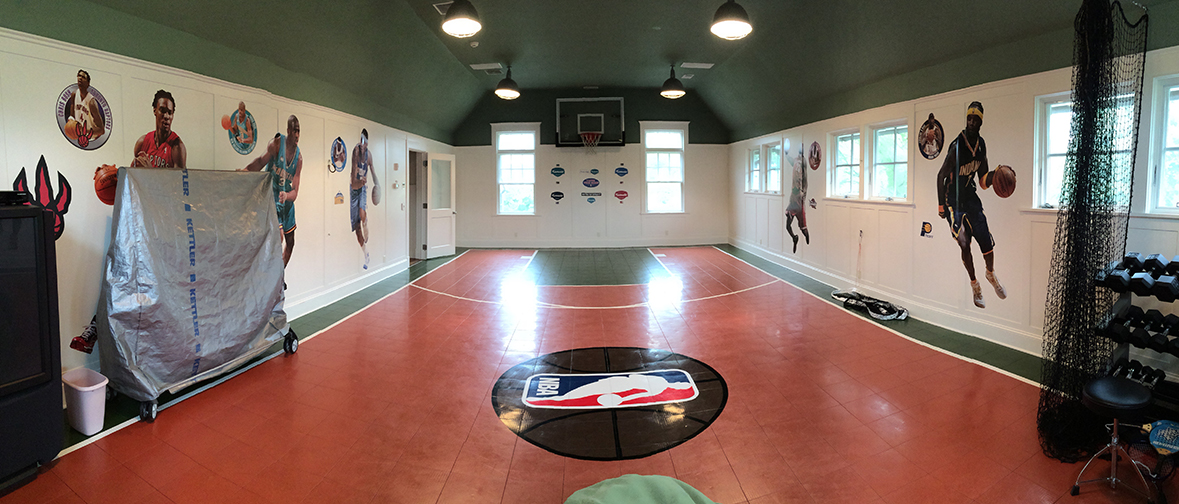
x: 490, y: 68
x: 700, y: 66
x: 442, y: 8
x: 687, y: 76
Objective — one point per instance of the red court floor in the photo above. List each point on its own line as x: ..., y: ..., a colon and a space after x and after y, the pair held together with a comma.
x: 393, y: 405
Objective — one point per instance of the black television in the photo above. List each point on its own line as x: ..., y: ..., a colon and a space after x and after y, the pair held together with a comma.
x: 31, y: 420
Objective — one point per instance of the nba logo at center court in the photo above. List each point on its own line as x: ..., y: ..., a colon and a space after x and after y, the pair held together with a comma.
x: 609, y: 390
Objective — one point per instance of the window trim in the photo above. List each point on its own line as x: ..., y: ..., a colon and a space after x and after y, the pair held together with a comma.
x: 832, y: 168
x: 644, y: 127
x: 763, y: 147
x: 496, y: 129
x: 1040, y: 162
x: 868, y: 159
x: 749, y: 170
x: 1162, y: 86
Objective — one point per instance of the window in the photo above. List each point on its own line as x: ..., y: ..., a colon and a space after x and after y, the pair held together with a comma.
x: 515, y: 153
x: 753, y: 178
x: 1055, y: 135
x: 890, y: 168
x: 845, y: 175
x: 774, y: 168
x: 1167, y: 178
x: 663, y: 145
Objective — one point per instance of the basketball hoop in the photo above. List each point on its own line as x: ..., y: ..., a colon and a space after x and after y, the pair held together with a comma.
x: 590, y: 140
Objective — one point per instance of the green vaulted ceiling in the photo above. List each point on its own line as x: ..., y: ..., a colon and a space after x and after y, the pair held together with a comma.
x: 388, y: 60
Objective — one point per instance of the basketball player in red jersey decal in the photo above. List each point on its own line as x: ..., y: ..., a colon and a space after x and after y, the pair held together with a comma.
x: 161, y: 148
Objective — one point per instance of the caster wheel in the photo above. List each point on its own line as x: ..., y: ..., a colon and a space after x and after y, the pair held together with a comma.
x: 290, y: 343
x: 148, y: 411
x: 1076, y: 490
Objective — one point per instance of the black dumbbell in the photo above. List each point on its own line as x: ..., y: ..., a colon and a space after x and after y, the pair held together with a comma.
x: 1133, y: 261
x: 1118, y: 329
x: 1154, y: 378
x: 1156, y: 263
x: 1142, y: 283
x: 1131, y: 369
x: 1152, y: 321
x: 1173, y: 266
x: 1119, y: 366
x: 1118, y: 280
x: 1166, y: 288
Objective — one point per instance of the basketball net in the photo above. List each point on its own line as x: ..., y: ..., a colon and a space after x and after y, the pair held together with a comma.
x: 590, y: 140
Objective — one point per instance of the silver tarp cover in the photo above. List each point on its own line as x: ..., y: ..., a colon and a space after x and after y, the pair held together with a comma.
x: 193, y: 279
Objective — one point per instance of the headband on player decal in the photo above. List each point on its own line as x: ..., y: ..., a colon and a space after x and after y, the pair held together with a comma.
x: 975, y: 108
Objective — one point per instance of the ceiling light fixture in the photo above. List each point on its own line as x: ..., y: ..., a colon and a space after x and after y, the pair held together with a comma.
x: 461, y: 20
x: 507, y: 88
x: 672, y: 88
x: 731, y: 22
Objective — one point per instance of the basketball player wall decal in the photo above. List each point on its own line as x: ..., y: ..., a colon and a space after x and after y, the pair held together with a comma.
x: 283, y: 160
x: 242, y: 129
x: 161, y: 147
x: 796, y: 209
x: 959, y: 204
x: 362, y: 166
x: 83, y: 115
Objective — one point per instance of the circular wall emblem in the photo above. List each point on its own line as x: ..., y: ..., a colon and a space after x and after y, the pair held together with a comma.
x: 557, y: 171
x: 85, y: 122
x: 243, y: 131
x: 621, y: 194
x: 590, y: 182
x: 557, y: 195
x: 816, y: 156
x: 620, y: 171
x: 930, y: 138
x: 609, y: 403
x: 594, y: 171
x: 339, y: 156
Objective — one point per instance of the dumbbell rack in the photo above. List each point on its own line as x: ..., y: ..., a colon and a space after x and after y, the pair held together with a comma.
x: 1145, y: 276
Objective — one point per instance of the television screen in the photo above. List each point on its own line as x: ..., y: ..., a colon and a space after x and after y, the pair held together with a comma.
x: 23, y: 334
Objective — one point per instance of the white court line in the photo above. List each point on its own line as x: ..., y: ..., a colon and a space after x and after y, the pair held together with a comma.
x: 543, y: 304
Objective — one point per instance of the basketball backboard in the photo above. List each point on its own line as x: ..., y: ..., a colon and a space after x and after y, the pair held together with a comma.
x: 601, y: 115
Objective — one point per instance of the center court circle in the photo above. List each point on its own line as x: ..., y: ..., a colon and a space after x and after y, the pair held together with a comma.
x: 609, y: 403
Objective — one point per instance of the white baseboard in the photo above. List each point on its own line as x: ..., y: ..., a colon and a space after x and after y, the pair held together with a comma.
x: 595, y: 243
x: 303, y: 304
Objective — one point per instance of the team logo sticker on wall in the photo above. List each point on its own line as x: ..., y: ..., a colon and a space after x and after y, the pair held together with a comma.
x: 557, y: 171
x: 816, y: 156
x: 339, y: 156
x: 242, y: 130
x: 609, y: 403
x: 557, y: 195
x: 620, y: 171
x: 83, y: 115
x: 57, y: 204
x: 590, y: 182
x: 621, y: 195
x: 930, y: 138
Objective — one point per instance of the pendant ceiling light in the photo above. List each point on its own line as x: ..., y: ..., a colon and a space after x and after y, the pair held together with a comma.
x: 731, y: 22
x: 461, y: 20
x: 507, y: 88
x: 672, y: 88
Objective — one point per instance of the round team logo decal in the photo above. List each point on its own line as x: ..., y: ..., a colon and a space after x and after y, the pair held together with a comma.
x: 557, y: 195
x: 84, y: 117
x: 339, y: 156
x: 609, y: 403
x: 621, y: 195
x: 557, y: 171
x: 620, y: 171
x: 590, y: 182
x: 930, y: 138
x: 243, y: 131
x: 816, y: 156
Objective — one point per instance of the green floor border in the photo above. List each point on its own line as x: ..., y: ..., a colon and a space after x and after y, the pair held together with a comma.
x: 120, y: 409
x: 971, y: 347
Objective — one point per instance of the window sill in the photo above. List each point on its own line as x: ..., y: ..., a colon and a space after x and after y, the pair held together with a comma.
x: 750, y: 193
x: 879, y: 202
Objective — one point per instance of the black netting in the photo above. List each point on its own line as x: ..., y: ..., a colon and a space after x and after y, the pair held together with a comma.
x: 1091, y: 226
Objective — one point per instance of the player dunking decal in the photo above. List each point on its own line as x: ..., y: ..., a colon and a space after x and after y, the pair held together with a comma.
x: 797, y: 207
x: 959, y: 203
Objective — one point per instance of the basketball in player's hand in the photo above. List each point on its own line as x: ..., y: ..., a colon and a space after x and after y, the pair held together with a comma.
x: 106, y: 178
x: 71, y: 129
x: 1004, y: 181
x: 225, y: 123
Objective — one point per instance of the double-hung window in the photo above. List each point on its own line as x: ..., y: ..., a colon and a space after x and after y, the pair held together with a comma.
x: 890, y: 163
x: 1166, y: 161
x: 774, y: 168
x: 845, y: 172
x: 1055, y: 134
x: 515, y: 160
x: 753, y: 174
x: 663, y: 153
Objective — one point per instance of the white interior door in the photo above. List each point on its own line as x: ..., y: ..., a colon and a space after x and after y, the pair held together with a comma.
x: 440, y: 230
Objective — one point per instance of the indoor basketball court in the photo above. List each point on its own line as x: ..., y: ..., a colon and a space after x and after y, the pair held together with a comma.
x: 398, y: 403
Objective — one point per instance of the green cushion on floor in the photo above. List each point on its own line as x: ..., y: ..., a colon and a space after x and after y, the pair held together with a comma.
x: 636, y: 489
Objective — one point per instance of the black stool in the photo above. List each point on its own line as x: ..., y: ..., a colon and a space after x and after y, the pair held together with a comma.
x: 1117, y: 398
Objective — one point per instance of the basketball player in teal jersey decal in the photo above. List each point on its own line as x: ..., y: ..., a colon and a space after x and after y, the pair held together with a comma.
x: 283, y: 160
x: 362, y: 162
x: 958, y: 202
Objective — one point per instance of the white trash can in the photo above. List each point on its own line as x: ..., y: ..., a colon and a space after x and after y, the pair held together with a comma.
x: 85, y: 393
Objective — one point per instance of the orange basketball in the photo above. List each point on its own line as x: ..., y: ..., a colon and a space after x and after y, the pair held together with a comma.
x: 71, y: 129
x: 1004, y: 181
x: 106, y: 178
x: 225, y: 122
